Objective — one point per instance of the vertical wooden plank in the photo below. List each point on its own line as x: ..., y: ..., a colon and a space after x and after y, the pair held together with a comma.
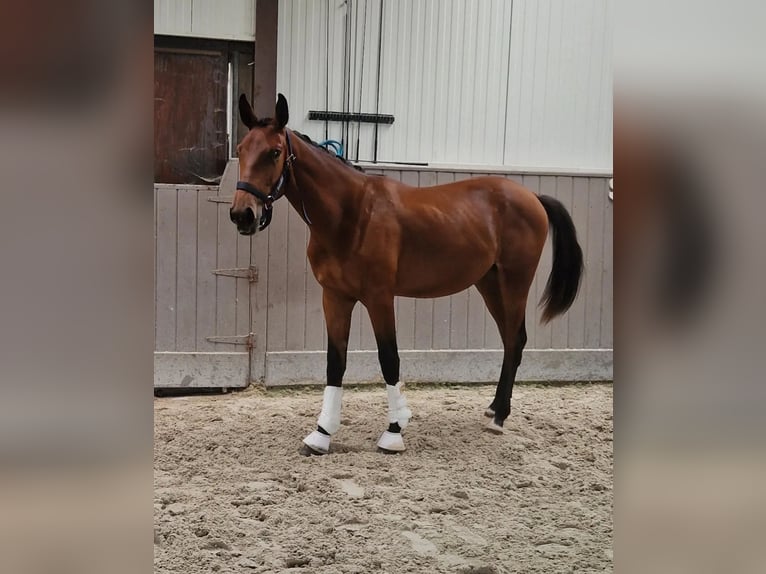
x: 405, y: 322
x: 410, y: 178
x: 405, y: 317
x: 594, y: 262
x: 393, y: 174
x: 560, y: 325
x: 607, y: 300
x: 440, y: 338
x: 242, y: 286
x: 167, y: 235
x: 515, y: 177
x: 186, y: 271
x: 276, y: 332
x: 424, y: 319
x: 532, y: 182
x: 207, y: 232
x: 424, y: 308
x: 576, y: 327
x: 296, y: 280
x: 226, y: 287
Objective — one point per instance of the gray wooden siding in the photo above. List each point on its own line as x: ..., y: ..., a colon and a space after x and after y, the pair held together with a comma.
x: 194, y: 237
x: 295, y: 321
x: 284, y: 308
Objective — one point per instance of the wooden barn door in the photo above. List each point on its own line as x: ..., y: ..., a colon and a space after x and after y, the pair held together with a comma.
x: 205, y: 276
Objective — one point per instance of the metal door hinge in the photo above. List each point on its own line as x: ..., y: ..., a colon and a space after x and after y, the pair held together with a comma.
x: 247, y: 340
x: 219, y: 199
x: 250, y: 273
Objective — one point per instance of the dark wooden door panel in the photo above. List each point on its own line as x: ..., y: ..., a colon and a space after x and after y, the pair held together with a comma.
x: 190, y: 100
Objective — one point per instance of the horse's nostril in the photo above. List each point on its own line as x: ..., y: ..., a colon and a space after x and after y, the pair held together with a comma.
x: 243, y: 218
x: 248, y: 217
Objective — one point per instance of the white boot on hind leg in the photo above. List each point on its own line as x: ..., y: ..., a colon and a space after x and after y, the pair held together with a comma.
x: 329, y: 420
x: 399, y: 413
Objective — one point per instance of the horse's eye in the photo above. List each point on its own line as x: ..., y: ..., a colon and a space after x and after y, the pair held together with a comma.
x: 275, y: 154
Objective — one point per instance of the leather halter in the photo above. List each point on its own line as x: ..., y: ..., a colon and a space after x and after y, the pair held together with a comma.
x: 276, y: 190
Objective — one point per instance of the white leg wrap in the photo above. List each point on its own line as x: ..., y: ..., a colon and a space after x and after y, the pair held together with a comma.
x: 398, y: 412
x: 318, y: 442
x: 329, y: 418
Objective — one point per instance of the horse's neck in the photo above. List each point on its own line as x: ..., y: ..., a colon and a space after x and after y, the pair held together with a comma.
x: 323, y: 189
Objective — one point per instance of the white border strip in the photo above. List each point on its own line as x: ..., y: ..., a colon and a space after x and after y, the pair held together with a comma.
x: 185, y: 187
x: 450, y: 366
x: 496, y: 169
x: 201, y: 370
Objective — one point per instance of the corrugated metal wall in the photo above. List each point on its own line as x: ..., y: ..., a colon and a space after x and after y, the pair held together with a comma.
x: 227, y: 20
x: 518, y: 83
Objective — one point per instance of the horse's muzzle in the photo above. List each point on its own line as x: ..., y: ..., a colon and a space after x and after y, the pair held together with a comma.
x: 244, y: 220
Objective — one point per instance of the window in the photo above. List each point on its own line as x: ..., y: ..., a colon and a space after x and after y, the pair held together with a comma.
x: 196, y: 83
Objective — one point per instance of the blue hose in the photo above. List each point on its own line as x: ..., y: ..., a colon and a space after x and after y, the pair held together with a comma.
x: 336, y: 146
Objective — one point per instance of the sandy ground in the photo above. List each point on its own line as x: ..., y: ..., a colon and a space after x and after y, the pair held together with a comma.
x: 233, y: 494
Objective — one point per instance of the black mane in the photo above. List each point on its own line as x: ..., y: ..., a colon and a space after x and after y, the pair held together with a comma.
x: 307, y: 139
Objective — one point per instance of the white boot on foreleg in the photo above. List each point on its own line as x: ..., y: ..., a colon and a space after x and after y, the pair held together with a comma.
x: 329, y: 420
x: 398, y: 412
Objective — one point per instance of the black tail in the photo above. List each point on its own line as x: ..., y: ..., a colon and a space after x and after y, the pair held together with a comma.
x: 564, y: 280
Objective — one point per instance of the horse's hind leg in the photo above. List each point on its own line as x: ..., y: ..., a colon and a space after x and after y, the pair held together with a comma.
x: 384, y: 325
x: 489, y: 288
x: 504, y: 391
x: 505, y: 294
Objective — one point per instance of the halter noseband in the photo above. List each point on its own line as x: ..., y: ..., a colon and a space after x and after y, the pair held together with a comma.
x: 276, y: 190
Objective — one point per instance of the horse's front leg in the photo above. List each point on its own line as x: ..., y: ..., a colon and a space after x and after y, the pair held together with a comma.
x: 337, y: 312
x: 384, y: 325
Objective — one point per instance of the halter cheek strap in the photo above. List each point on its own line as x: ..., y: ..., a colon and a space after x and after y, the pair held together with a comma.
x: 276, y: 189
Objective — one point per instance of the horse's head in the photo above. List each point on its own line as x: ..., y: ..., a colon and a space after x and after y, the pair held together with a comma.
x: 263, y: 164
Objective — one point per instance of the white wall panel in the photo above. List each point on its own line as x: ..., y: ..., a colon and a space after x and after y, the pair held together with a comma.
x: 522, y: 83
x: 221, y: 19
x: 173, y: 17
x: 231, y: 19
x: 560, y: 85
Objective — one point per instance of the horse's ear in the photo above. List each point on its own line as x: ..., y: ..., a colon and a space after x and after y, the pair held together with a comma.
x: 246, y: 112
x: 281, y: 113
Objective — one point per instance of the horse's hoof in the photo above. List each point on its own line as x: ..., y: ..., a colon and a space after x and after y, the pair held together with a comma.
x: 489, y: 413
x: 391, y: 442
x: 494, y: 428
x: 384, y: 451
x: 316, y: 443
x: 306, y: 450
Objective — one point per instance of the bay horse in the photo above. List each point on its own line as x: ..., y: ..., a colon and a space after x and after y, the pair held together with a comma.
x: 373, y: 238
